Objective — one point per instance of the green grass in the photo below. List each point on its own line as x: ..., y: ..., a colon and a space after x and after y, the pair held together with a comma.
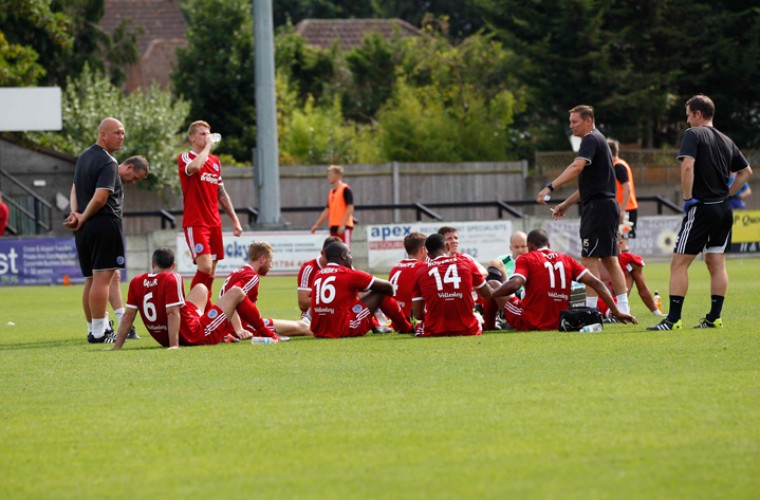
x: 623, y: 413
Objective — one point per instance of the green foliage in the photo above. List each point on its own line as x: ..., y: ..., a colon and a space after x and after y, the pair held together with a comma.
x: 151, y: 120
x: 215, y: 72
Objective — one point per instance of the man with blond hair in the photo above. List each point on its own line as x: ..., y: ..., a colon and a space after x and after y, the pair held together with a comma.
x: 339, y: 211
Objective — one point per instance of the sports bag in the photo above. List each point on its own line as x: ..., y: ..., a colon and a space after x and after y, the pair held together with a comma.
x: 576, y: 318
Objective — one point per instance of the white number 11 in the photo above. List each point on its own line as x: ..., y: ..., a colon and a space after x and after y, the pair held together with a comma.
x: 552, y: 280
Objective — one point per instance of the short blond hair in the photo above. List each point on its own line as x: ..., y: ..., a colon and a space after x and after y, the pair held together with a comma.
x: 194, y: 126
x: 336, y: 169
x: 259, y: 249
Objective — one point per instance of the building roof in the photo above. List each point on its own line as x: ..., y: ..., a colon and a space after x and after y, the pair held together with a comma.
x: 349, y: 33
x: 164, y: 29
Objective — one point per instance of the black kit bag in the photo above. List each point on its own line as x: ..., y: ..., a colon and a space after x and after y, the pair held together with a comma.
x: 576, y: 318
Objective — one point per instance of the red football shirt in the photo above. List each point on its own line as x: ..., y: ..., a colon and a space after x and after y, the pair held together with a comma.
x: 151, y: 294
x: 246, y: 278
x: 548, y: 281
x: 307, y: 273
x: 626, y: 260
x: 334, y: 296
x: 402, y: 276
x: 200, y: 191
x: 446, y: 284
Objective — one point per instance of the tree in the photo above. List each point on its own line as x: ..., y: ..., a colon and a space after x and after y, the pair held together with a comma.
x: 150, y: 119
x: 215, y: 72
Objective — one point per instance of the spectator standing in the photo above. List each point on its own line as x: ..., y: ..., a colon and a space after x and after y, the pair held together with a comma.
x: 200, y: 175
x: 600, y: 212
x: 625, y: 192
x: 339, y: 212
x: 707, y: 159
x: 96, y: 202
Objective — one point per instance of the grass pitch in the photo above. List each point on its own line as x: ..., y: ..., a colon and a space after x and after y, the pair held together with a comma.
x: 622, y: 413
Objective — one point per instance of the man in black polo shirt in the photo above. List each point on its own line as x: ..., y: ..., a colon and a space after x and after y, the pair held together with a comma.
x: 96, y: 213
x: 708, y: 157
x: 600, y: 212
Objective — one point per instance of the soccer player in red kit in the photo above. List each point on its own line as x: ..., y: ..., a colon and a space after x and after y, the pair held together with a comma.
x: 547, y: 277
x: 200, y: 175
x: 442, y: 294
x: 172, y: 319
x: 336, y: 310
x: 306, y: 278
x: 404, y: 274
x: 259, y: 263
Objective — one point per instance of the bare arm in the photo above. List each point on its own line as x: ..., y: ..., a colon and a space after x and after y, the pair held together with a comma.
x: 229, y: 209
x: 559, y: 211
x: 73, y: 198
x: 197, y: 163
x: 742, y: 176
x: 641, y: 287
x: 626, y: 199
x: 126, y: 323
x: 571, y: 172
x: 322, y: 217
x: 97, y: 202
x: 418, y: 309
x: 485, y: 291
x: 687, y: 177
x: 589, y: 279
x: 382, y: 286
x: 509, y: 287
x: 172, y: 322
x: 304, y: 300
x: 349, y: 213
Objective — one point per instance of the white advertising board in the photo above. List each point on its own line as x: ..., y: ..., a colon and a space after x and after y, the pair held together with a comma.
x: 30, y: 108
x: 483, y: 240
x: 291, y: 250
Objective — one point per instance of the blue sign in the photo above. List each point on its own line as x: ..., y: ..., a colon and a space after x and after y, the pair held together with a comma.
x: 38, y: 261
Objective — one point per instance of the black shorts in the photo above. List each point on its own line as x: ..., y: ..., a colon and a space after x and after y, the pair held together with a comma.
x: 599, y: 226
x: 706, y: 227
x: 633, y: 216
x: 100, y: 245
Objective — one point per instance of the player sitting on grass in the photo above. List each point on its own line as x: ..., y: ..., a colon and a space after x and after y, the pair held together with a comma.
x: 259, y: 263
x: 174, y: 320
x: 547, y: 277
x: 336, y: 310
x: 404, y: 274
x: 306, y: 278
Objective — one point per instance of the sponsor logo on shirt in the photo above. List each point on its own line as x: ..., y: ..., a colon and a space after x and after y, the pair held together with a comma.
x: 213, y: 313
x: 210, y: 178
x: 216, y: 167
x: 555, y: 295
x: 324, y: 310
x: 449, y: 296
x: 356, y: 308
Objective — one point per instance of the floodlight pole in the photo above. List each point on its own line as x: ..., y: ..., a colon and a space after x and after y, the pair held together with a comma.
x: 266, y: 161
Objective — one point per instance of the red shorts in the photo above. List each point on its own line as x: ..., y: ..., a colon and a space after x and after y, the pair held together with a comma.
x: 513, y: 313
x: 202, y: 240
x: 360, y: 321
x: 420, y: 332
x: 345, y: 237
x: 207, y: 329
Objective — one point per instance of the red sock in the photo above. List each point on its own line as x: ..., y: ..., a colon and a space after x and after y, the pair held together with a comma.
x: 207, y: 280
x: 390, y: 307
x: 490, y: 310
x: 249, y: 313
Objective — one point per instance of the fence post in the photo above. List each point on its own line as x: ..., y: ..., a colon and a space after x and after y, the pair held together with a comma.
x: 396, y: 189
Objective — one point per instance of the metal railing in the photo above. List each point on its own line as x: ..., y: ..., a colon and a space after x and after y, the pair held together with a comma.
x: 40, y: 216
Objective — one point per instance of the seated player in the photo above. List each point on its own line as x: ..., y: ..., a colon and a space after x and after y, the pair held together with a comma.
x: 500, y: 269
x: 336, y: 310
x: 306, y: 277
x: 633, y: 270
x: 172, y: 319
x: 442, y: 294
x: 247, y: 278
x: 404, y: 273
x: 547, y: 276
x: 451, y: 236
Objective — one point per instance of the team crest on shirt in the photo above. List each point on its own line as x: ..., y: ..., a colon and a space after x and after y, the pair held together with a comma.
x: 356, y: 308
x: 216, y: 167
x: 213, y: 313
x: 198, y: 247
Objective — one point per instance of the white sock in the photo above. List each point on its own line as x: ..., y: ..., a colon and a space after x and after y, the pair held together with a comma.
x: 592, y: 302
x: 98, y: 327
x: 622, y: 303
x: 119, y: 314
x: 89, y: 327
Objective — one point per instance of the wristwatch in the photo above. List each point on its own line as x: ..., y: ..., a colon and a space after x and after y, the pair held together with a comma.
x: 549, y: 185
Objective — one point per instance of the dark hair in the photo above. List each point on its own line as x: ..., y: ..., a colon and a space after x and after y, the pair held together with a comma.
x: 444, y: 230
x: 614, y: 146
x: 703, y: 104
x: 413, y: 242
x: 435, y: 243
x: 335, y: 250
x: 139, y: 163
x: 538, y: 238
x: 328, y: 240
x: 584, y: 110
x: 163, y: 257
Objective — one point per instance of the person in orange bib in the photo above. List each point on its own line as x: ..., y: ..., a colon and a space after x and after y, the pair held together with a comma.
x: 339, y: 211
x: 625, y: 193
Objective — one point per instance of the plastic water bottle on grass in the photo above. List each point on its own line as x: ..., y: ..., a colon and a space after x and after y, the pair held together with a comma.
x: 263, y: 340
x: 593, y: 327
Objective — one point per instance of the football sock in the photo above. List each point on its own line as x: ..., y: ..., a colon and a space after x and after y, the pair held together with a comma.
x: 89, y: 327
x: 119, y: 314
x: 390, y: 307
x: 249, y: 313
x: 98, y: 327
x: 592, y: 302
x: 622, y: 303
x: 716, y: 306
x: 207, y: 280
x: 676, y: 306
x: 490, y: 310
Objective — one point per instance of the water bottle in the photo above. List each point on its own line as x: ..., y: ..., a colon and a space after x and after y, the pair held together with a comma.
x: 216, y: 137
x: 594, y: 327
x: 658, y: 301
x: 263, y: 340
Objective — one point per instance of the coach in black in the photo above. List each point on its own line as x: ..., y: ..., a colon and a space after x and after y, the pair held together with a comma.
x: 600, y: 212
x: 707, y: 159
x: 96, y: 219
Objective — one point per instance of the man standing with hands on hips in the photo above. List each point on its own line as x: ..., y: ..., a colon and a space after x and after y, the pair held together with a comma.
x: 708, y: 157
x: 600, y: 212
x: 200, y: 174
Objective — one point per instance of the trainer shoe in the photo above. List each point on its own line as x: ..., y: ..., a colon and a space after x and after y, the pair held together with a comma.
x: 108, y: 338
x: 132, y: 335
x: 666, y: 324
x: 706, y: 323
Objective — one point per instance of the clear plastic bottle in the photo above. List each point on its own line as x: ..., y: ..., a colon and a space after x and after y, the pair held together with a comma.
x: 263, y: 340
x: 216, y: 137
x: 658, y: 301
x: 594, y: 327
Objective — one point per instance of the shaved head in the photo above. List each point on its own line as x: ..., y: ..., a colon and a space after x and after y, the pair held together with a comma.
x: 111, y: 134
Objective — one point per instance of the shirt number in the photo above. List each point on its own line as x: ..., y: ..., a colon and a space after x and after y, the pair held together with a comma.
x: 325, y: 290
x: 451, y: 275
x: 552, y: 280
x: 149, y: 308
x: 394, y: 281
